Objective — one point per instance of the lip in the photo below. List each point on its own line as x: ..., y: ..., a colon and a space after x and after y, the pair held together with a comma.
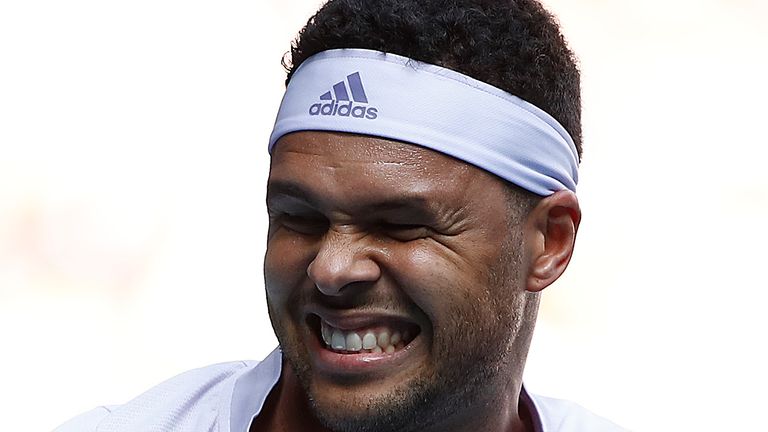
x: 360, y: 364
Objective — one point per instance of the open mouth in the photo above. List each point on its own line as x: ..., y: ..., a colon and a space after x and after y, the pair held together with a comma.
x: 388, y: 336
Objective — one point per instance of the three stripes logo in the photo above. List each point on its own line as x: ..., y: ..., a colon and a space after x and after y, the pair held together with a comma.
x: 339, y: 102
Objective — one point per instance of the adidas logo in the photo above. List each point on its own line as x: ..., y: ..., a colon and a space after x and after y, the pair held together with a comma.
x: 339, y: 103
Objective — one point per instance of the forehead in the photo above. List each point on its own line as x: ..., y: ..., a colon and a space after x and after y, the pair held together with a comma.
x: 347, y: 151
x: 358, y: 168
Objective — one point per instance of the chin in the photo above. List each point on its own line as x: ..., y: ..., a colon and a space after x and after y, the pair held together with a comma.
x: 371, y: 409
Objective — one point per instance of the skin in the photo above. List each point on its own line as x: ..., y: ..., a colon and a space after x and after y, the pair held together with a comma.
x: 369, y: 226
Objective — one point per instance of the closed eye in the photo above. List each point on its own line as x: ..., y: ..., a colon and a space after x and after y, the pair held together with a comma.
x: 404, y: 232
x: 302, y: 224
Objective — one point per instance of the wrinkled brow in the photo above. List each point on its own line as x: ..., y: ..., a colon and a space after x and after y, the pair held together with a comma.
x: 415, y: 203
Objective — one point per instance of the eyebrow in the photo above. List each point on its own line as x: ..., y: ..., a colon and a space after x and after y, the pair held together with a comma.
x: 414, y: 203
x: 289, y: 189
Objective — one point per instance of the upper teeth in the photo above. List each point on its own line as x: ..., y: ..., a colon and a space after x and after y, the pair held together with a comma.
x: 384, y: 340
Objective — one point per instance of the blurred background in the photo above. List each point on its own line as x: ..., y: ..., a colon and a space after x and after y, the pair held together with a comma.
x: 132, y: 226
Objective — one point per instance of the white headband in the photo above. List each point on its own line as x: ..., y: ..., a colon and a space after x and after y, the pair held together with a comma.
x: 431, y: 106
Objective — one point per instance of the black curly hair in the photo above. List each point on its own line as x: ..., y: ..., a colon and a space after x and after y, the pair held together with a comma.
x: 515, y: 45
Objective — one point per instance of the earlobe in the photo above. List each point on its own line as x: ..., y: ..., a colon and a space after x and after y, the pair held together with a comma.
x: 551, y: 235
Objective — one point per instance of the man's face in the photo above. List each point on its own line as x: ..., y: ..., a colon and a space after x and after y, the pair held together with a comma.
x: 371, y: 241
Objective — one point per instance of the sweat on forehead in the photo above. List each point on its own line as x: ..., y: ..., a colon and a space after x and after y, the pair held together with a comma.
x: 389, y: 96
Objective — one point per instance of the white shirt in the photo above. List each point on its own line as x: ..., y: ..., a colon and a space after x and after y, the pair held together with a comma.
x: 227, y: 397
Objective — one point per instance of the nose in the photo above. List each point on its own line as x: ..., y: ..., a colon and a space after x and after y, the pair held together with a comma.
x: 343, y: 259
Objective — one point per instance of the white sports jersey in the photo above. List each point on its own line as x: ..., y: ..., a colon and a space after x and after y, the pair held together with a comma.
x: 227, y: 397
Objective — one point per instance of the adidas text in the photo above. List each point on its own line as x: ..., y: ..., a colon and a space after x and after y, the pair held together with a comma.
x: 345, y: 110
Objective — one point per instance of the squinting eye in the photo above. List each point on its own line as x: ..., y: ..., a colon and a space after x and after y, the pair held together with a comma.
x: 303, y: 224
x: 404, y: 232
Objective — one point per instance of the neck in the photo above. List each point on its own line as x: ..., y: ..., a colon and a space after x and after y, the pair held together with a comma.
x: 498, y: 412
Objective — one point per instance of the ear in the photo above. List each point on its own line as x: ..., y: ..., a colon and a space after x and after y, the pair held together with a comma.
x: 550, y: 237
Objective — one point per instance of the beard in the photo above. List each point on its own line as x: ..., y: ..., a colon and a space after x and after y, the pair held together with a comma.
x: 421, y: 403
x: 479, y: 350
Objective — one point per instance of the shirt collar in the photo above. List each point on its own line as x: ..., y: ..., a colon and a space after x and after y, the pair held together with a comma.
x: 251, y: 390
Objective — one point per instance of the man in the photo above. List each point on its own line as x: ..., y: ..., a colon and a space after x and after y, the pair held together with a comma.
x: 421, y: 195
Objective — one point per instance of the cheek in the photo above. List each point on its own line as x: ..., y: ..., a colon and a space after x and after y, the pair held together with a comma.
x: 451, y: 283
x: 285, y: 267
x: 438, y: 281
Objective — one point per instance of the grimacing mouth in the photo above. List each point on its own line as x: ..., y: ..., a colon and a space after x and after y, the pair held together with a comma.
x: 384, y: 337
